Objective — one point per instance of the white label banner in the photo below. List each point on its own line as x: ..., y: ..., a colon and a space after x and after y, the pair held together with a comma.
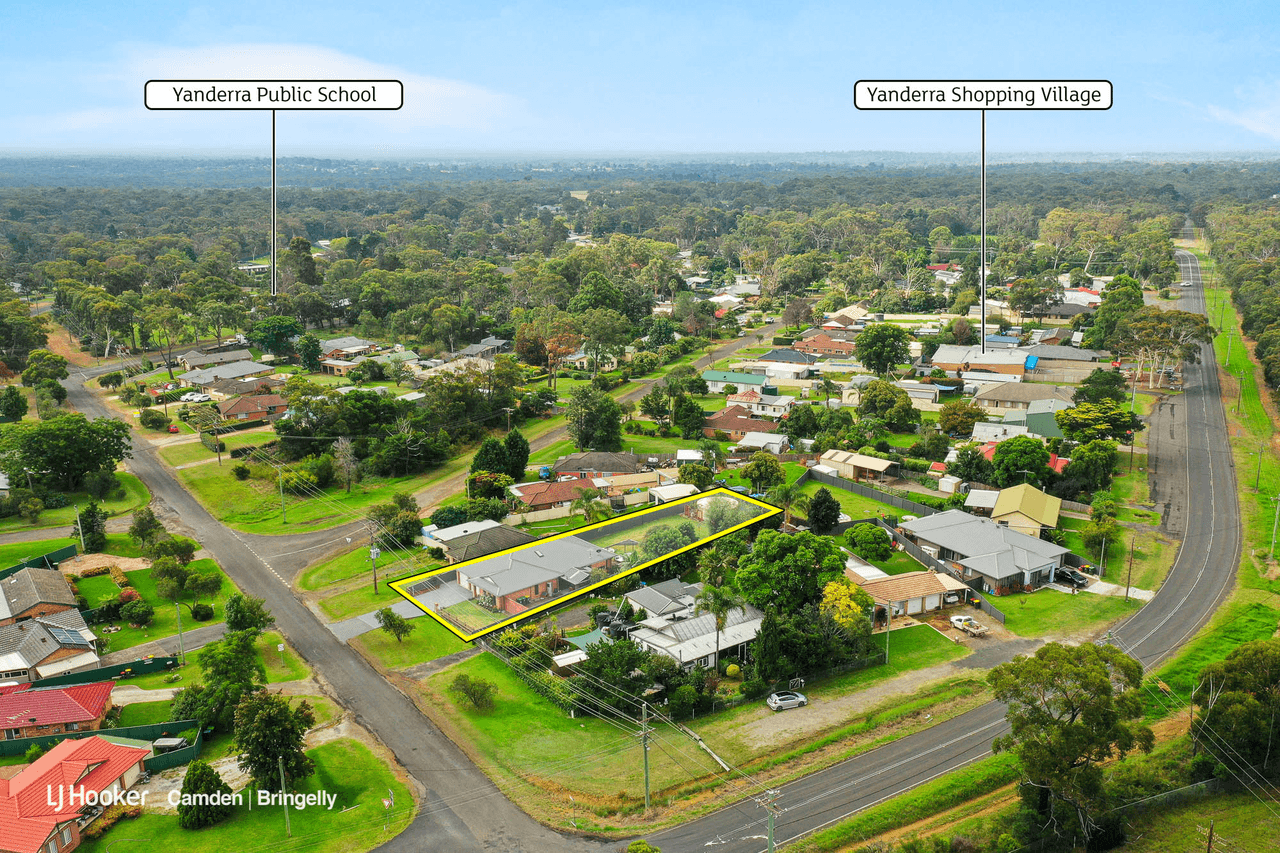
x: 274, y: 94
x: 982, y: 94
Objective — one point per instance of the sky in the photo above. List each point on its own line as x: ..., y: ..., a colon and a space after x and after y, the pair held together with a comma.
x: 572, y: 78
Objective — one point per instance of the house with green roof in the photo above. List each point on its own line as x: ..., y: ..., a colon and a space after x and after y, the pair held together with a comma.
x: 717, y: 380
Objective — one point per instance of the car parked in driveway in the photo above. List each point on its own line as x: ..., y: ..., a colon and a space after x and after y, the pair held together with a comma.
x: 1072, y: 577
x: 786, y: 699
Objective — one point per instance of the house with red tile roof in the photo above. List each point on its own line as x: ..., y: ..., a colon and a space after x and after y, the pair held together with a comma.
x: 39, y: 711
x: 37, y: 810
x: 256, y: 407
x: 545, y: 495
x: 736, y: 422
x: 1056, y: 462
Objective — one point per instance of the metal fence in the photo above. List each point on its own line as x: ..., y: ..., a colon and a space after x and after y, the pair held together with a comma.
x: 148, y: 732
x: 903, y: 504
x: 142, y: 666
x: 44, y: 561
x: 988, y: 608
x: 178, y: 757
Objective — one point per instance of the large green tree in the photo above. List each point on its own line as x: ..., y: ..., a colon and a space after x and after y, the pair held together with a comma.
x: 957, y: 417
x: 1086, y: 422
x: 882, y: 346
x: 594, y: 420
x: 268, y: 732
x: 273, y: 334
x: 517, y: 454
x: 764, y: 471
x: 1238, y: 701
x: 1021, y: 459
x: 788, y: 571
x: 1070, y: 710
x: 42, y: 364
x: 889, y: 403
x: 13, y: 405
x: 230, y: 669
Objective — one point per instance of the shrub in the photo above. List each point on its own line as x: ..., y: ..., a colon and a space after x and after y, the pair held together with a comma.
x: 733, y: 670
x: 100, y: 483
x: 298, y: 481
x: 240, y: 471
x: 138, y: 613
x: 753, y: 689
x: 95, y: 571
x: 127, y: 595
x: 154, y: 419
x: 118, y: 575
x: 213, y: 443
x: 109, y: 818
x: 202, y: 612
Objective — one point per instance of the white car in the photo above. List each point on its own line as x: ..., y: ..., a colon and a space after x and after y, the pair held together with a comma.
x: 200, y: 398
x: 188, y: 397
x: 786, y: 699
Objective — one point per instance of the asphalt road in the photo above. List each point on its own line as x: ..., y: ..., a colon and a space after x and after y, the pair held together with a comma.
x: 463, y: 810
x: 1191, y: 462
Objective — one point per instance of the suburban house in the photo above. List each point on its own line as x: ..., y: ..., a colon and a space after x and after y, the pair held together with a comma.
x: 717, y: 380
x: 961, y: 360
x: 981, y: 501
x: 255, y: 407
x: 473, y: 539
x: 546, y: 494
x: 911, y: 592
x: 346, y: 348
x: 582, y: 361
x: 1056, y: 462
x: 690, y: 637
x: 27, y: 711
x: 223, y: 388
x: 336, y: 366
x: 35, y: 808
x: 511, y: 583
x: 856, y: 466
x: 1000, y: 558
x: 598, y: 463
x: 824, y: 343
x: 34, y: 592
x: 789, y: 356
x: 765, y: 405
x: 997, y: 431
x: 195, y: 359
x: 55, y: 644
x: 487, y: 348
x: 1038, y: 417
x: 774, y: 443
x: 202, y: 379
x: 1026, y: 509
x: 735, y: 422
x: 1018, y: 395
x: 776, y: 372
x: 664, y: 598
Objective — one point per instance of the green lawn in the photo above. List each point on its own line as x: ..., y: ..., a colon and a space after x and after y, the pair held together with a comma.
x: 253, y: 505
x: 586, y: 754
x: 145, y: 713
x: 344, y: 767
x: 471, y: 616
x: 135, y: 495
x: 355, y: 564
x: 12, y: 553
x: 1241, y: 821
x: 854, y: 505
x: 362, y: 599
x: 899, y: 563
x: 286, y: 667
x: 1048, y: 611
x: 428, y: 640
x: 185, y: 454
x: 95, y: 589
x: 165, y: 623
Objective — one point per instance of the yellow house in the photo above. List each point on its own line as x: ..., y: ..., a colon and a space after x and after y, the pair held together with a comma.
x: 1026, y: 509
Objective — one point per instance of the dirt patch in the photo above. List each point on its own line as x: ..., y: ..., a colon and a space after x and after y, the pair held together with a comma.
x: 60, y: 343
x: 85, y: 562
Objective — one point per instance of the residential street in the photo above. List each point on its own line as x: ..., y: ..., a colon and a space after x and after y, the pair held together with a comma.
x: 463, y: 811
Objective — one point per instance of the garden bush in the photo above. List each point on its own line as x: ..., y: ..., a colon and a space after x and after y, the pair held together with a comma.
x: 202, y: 612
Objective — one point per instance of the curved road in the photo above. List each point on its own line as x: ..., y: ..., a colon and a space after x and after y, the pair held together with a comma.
x: 1190, y: 457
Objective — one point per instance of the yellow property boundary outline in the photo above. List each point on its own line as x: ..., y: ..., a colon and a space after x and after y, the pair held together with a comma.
x: 401, y: 585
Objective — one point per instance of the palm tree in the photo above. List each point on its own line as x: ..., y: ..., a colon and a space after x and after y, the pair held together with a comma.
x: 719, y: 601
x: 712, y: 454
x: 827, y: 387
x: 788, y: 496
x: 589, y: 503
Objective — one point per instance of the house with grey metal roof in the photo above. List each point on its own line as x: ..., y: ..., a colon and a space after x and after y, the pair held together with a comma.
x: 978, y: 549
x: 34, y: 592
x: 665, y: 598
x: 513, y: 582
x: 691, y: 638
x: 235, y: 370
x: 195, y: 359
x: 46, y: 646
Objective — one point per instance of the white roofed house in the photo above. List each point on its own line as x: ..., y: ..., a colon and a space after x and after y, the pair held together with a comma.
x: 774, y: 443
x: 677, y: 629
x: 1003, y: 559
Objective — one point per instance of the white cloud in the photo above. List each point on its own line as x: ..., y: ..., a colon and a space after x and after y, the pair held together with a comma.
x: 1260, y: 114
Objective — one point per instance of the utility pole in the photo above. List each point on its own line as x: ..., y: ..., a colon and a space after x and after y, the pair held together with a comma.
x: 1258, y: 477
x: 181, y: 652
x: 284, y: 518
x: 644, y: 747
x: 374, y: 553
x: 1129, y: 579
x: 284, y: 800
x: 1102, y: 559
x: 1209, y: 849
x: 79, y: 526
x: 768, y: 802
x: 1272, y: 552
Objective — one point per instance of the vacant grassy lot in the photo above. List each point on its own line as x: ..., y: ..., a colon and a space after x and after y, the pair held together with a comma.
x: 1047, y: 612
x: 362, y: 599
x: 344, y: 767
x: 1240, y: 822
x: 165, y: 622
x: 135, y: 495
x: 428, y: 641
x: 185, y: 454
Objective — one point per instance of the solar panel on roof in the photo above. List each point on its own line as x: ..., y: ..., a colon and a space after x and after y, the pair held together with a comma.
x: 62, y: 635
